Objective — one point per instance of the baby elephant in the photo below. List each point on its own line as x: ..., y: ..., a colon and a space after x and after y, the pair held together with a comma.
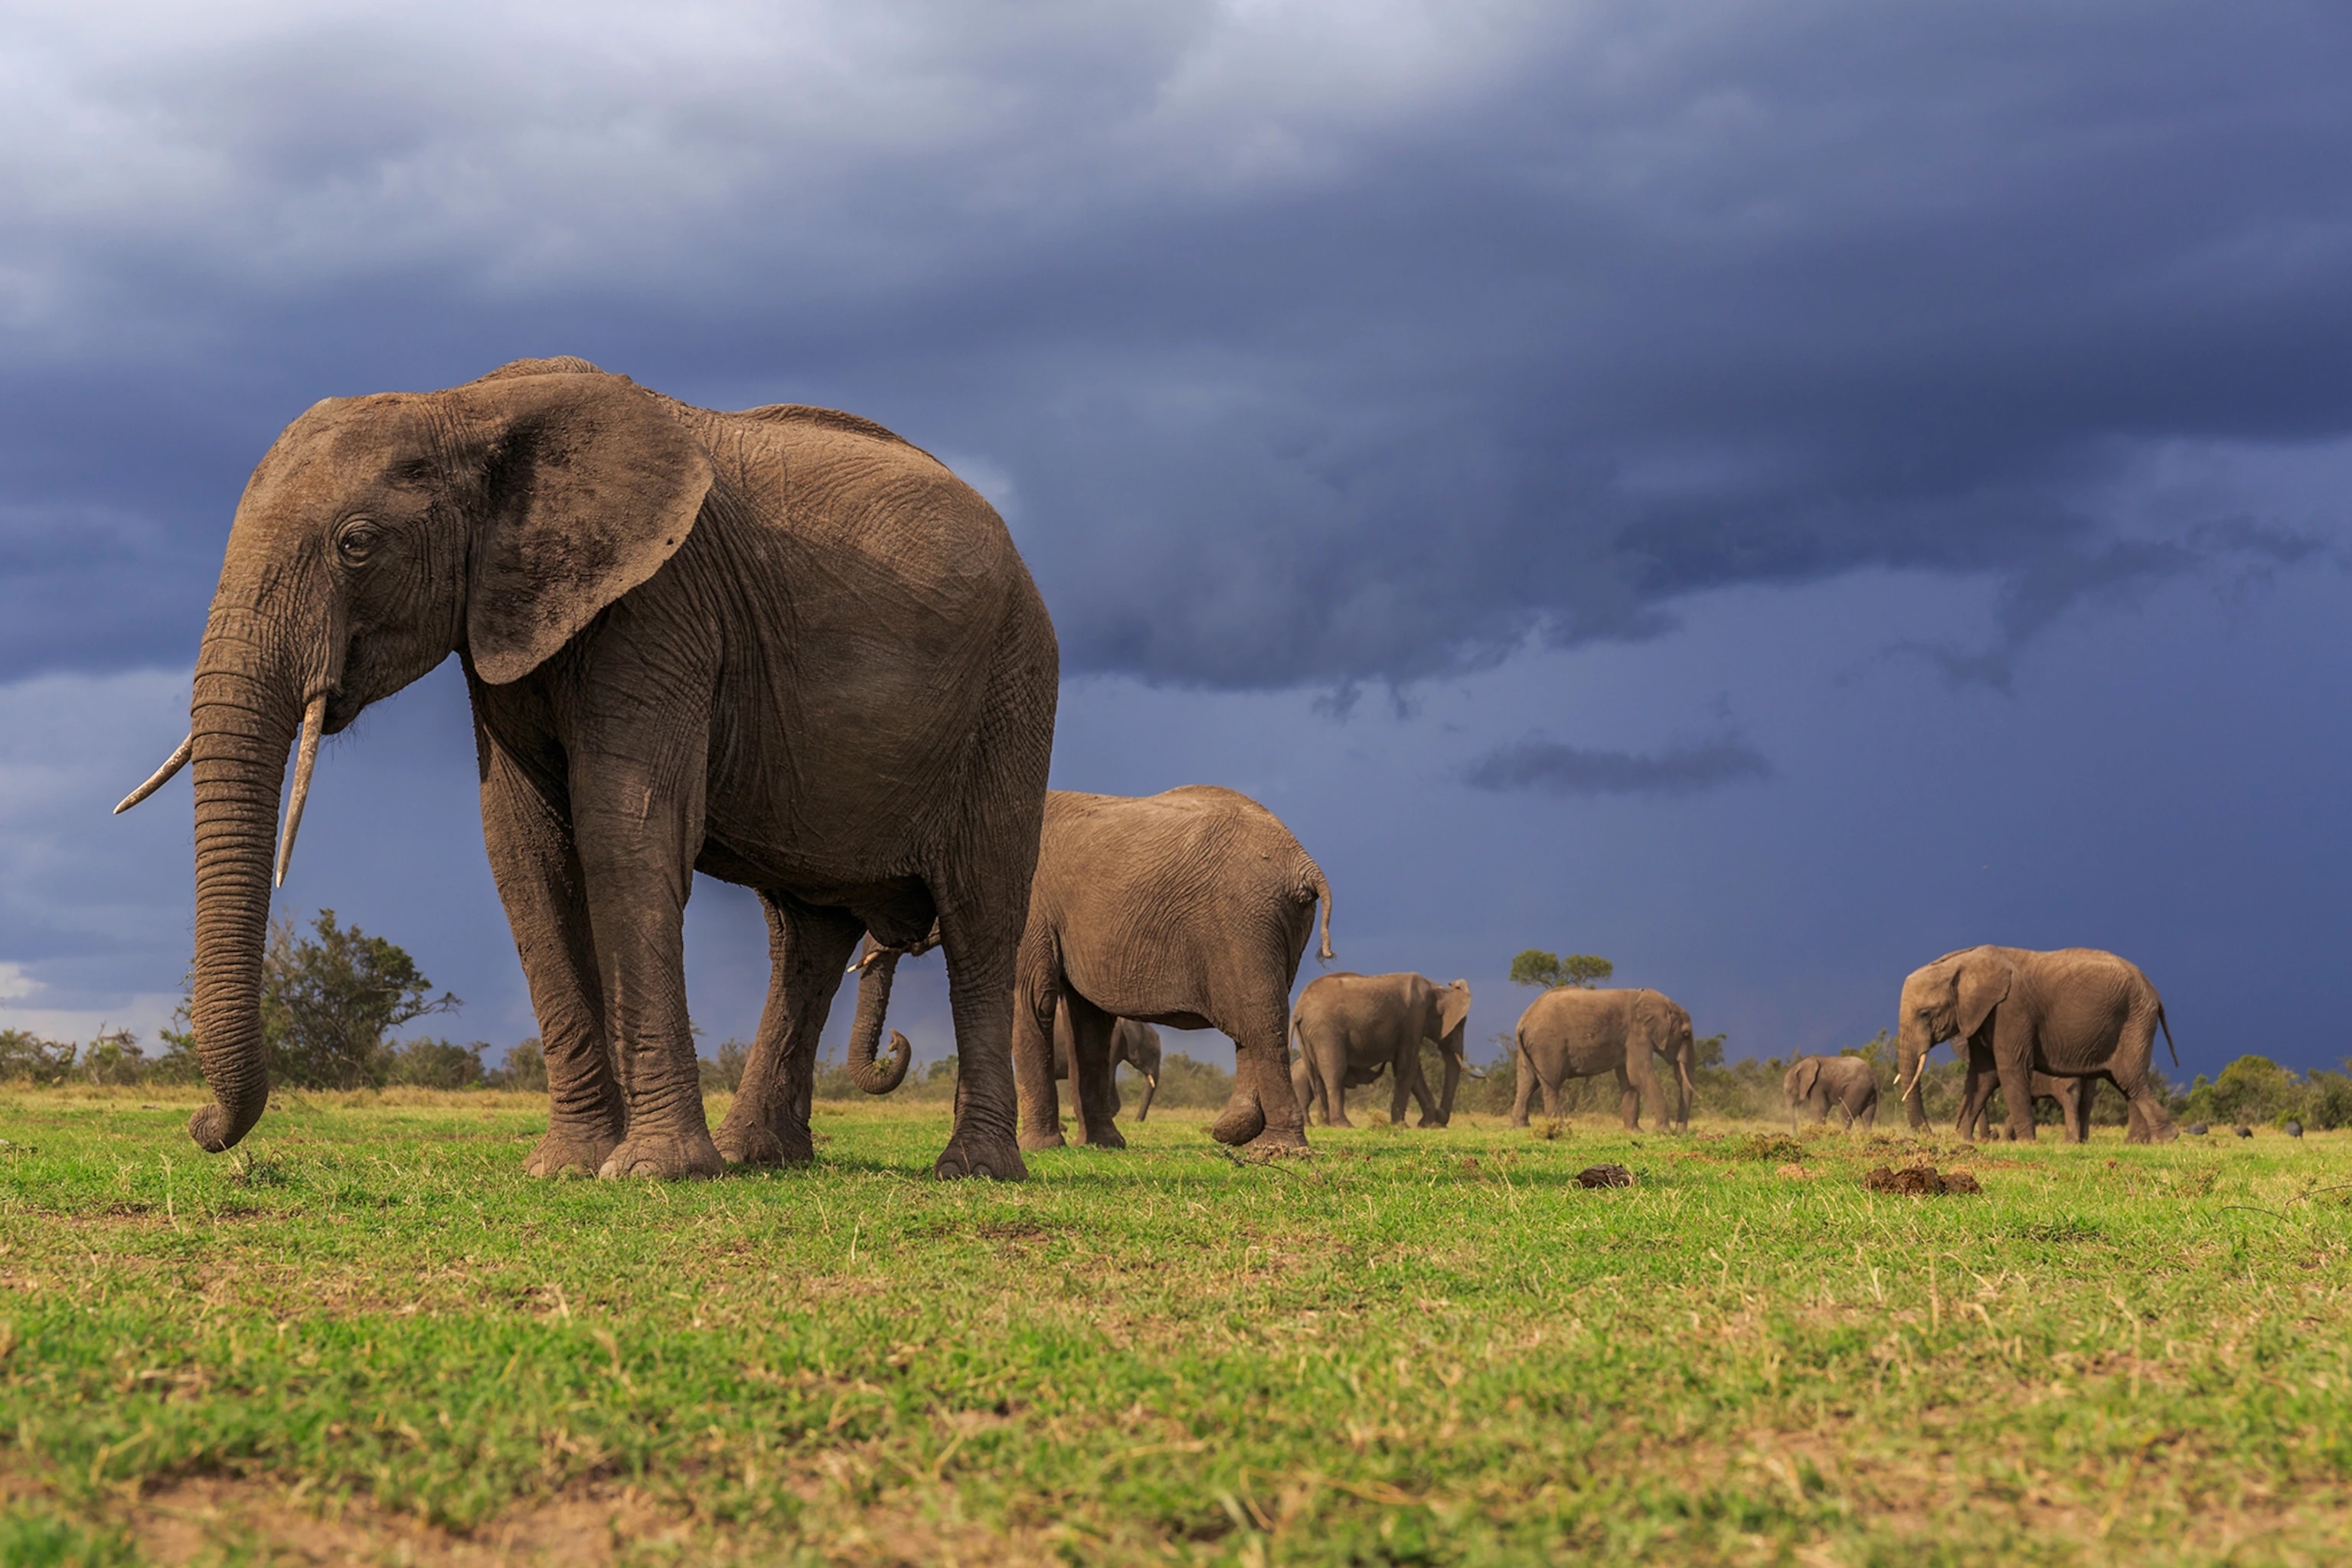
x: 1847, y: 1082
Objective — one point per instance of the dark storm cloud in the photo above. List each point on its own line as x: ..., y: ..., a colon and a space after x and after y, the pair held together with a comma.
x: 1549, y: 767
x: 1298, y: 352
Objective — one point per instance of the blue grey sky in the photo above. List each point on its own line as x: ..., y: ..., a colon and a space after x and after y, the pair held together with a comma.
x: 1766, y: 492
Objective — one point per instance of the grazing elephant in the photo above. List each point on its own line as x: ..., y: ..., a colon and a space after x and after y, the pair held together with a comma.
x: 1137, y: 1045
x: 2074, y: 1013
x: 1848, y: 1082
x: 783, y: 648
x: 1569, y: 1031
x: 1351, y: 1028
x: 1190, y: 909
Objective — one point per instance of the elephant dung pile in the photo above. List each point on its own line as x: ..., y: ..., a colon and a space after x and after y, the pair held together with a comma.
x: 1920, y: 1180
x: 1604, y: 1176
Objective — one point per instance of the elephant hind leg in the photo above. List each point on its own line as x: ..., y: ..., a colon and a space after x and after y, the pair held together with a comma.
x: 1262, y: 1112
x: 1090, y: 1072
x: 768, y: 1124
x: 979, y: 928
x: 1527, y: 1085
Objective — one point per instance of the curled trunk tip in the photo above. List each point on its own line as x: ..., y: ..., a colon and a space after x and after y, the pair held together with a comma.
x: 878, y: 1079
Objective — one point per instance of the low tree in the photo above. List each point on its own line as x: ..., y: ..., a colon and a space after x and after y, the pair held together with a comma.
x: 27, y: 1057
x: 1550, y: 971
x: 435, y: 1064
x: 113, y: 1058
x: 525, y: 1069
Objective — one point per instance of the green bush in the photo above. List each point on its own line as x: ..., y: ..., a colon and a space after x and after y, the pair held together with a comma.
x: 435, y: 1064
x: 525, y: 1069
x: 26, y: 1057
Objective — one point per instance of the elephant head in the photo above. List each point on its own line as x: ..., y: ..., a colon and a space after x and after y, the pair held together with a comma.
x: 1948, y: 999
x: 1452, y: 1016
x: 378, y: 536
x: 1668, y: 1025
x: 1797, y: 1086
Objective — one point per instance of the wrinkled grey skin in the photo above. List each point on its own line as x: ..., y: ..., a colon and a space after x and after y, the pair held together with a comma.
x: 1352, y: 1027
x: 1137, y: 1045
x: 1847, y: 1082
x: 781, y: 648
x: 2076, y: 1012
x: 1569, y: 1031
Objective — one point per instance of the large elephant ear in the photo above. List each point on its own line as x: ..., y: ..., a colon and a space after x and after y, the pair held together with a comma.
x: 1982, y: 981
x: 1809, y: 1073
x: 1453, y: 1010
x: 590, y: 483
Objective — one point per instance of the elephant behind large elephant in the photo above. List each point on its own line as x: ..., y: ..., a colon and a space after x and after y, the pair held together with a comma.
x: 1352, y: 1027
x: 1569, y: 1031
x: 1133, y: 1044
x: 1188, y: 909
x: 1849, y: 1083
x: 783, y: 647
x: 2076, y: 1012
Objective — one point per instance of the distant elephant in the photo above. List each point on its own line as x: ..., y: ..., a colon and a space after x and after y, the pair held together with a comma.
x: 2073, y: 1095
x: 783, y: 648
x: 1350, y: 1028
x: 1569, y: 1031
x: 1188, y: 909
x: 2074, y: 1013
x: 1137, y: 1045
x: 1849, y: 1083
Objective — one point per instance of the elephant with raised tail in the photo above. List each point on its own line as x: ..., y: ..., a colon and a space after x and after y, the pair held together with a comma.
x: 2075, y: 1012
x: 1569, y: 1031
x: 783, y: 647
x: 1352, y: 1027
x: 1188, y: 909
x: 1849, y: 1083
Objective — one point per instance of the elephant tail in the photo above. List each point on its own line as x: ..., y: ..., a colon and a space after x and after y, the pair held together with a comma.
x: 1319, y: 888
x: 2167, y: 1027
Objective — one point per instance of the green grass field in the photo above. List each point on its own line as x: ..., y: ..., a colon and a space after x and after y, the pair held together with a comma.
x: 367, y: 1336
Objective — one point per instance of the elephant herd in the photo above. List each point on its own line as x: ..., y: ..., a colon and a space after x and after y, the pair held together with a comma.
x: 788, y: 649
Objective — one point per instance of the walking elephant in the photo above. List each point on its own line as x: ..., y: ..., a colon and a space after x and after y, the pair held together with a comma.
x: 1137, y: 1044
x: 1188, y: 909
x: 1569, y: 1031
x: 2074, y: 1013
x: 1352, y: 1027
x: 783, y: 648
x: 1849, y: 1083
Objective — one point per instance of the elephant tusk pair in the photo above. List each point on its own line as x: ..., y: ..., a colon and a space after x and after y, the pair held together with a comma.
x: 314, y: 723
x: 160, y: 776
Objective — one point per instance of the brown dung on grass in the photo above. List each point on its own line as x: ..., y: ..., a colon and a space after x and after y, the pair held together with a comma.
x: 1920, y: 1180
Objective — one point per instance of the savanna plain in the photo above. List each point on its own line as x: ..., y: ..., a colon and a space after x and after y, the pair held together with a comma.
x: 367, y: 1336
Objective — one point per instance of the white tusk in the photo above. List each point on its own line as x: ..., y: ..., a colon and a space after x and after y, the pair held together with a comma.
x: 314, y: 722
x: 160, y: 776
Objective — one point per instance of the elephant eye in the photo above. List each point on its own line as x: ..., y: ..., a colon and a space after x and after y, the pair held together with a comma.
x: 357, y: 541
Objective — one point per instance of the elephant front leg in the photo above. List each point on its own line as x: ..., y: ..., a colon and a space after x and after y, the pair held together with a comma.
x: 633, y: 852
x: 807, y: 950
x: 2012, y: 1055
x: 1628, y: 1098
x: 539, y: 882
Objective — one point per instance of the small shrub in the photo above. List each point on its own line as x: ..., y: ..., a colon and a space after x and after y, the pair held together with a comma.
x: 435, y: 1064
x: 525, y: 1069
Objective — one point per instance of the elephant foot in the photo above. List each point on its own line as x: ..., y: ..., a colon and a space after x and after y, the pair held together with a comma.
x: 754, y: 1143
x: 669, y: 1156
x: 969, y: 1155
x: 1032, y: 1141
x: 564, y: 1152
x: 1278, y: 1140
x: 1107, y: 1137
x: 1239, y: 1123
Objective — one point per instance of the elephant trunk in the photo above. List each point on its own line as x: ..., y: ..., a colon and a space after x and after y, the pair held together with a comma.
x: 242, y: 723
x: 876, y: 971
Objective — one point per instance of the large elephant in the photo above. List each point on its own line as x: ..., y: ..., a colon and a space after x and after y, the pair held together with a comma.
x: 1849, y: 1083
x: 783, y: 647
x: 1569, y: 1031
x: 1352, y: 1027
x: 1137, y: 1045
x: 1190, y: 909
x: 2074, y: 1013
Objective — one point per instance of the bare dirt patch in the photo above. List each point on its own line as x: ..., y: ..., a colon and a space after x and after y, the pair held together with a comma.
x: 1920, y: 1181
